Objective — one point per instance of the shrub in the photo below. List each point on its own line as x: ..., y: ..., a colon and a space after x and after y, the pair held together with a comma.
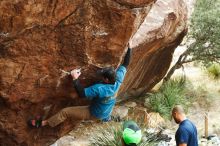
x: 214, y: 70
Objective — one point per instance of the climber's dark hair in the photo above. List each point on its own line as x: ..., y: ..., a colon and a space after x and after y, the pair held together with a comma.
x: 108, y: 73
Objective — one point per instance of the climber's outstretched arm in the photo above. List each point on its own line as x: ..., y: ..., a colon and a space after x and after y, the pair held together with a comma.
x: 89, y: 92
x: 79, y: 88
x: 127, y: 57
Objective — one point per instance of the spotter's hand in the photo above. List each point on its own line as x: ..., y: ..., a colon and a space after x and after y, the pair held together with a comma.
x: 75, y: 73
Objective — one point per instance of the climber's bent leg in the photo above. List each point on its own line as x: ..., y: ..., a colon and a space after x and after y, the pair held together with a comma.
x: 78, y: 113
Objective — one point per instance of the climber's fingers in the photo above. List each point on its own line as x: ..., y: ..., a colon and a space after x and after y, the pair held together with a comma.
x: 75, y: 73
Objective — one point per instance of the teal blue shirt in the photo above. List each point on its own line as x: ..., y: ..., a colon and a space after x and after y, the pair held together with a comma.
x: 103, y: 95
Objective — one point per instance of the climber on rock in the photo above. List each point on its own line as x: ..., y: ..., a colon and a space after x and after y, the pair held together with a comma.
x: 102, y: 96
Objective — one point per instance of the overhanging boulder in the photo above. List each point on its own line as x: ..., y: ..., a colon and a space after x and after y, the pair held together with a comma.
x: 39, y: 38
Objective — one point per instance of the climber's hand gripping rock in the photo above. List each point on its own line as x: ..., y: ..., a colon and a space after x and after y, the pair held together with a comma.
x: 75, y: 73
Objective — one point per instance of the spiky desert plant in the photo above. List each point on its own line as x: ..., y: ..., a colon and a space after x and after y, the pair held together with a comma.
x: 170, y: 94
x: 111, y: 135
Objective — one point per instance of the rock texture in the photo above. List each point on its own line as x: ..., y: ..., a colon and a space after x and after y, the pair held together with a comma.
x: 38, y: 38
x: 154, y: 43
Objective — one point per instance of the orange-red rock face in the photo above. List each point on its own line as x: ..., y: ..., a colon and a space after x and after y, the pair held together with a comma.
x: 38, y: 38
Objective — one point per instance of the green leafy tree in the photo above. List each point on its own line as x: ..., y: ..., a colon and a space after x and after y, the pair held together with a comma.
x: 204, y: 32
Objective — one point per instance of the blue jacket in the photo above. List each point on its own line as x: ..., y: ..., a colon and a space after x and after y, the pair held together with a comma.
x: 103, y: 96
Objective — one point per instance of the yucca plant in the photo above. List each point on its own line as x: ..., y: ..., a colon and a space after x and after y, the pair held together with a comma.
x: 170, y: 94
x: 157, y: 103
x: 107, y: 136
x: 111, y: 135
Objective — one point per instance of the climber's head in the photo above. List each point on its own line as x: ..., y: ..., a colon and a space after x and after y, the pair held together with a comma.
x: 131, y: 134
x: 108, y: 75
